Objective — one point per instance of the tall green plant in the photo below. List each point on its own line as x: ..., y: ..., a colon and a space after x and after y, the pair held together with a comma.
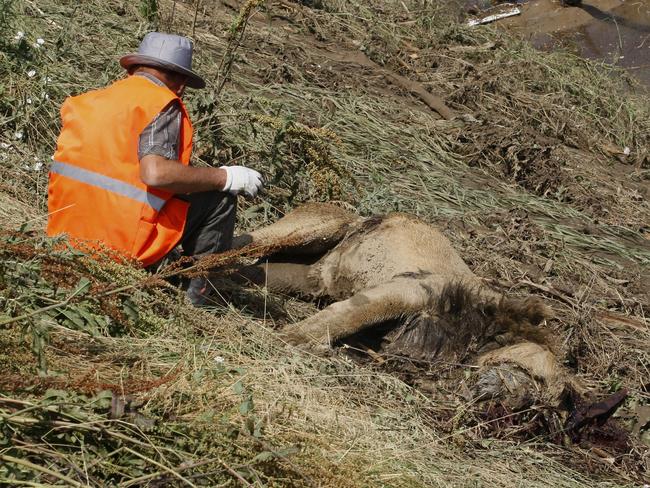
x: 7, y: 16
x: 149, y: 10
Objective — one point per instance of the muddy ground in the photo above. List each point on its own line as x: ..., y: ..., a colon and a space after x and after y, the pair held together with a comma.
x: 616, y: 32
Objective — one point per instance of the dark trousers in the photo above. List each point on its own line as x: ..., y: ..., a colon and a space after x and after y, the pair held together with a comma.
x: 209, y: 229
x: 210, y: 223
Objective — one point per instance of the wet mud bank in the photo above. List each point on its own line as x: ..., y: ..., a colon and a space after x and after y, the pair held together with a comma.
x: 616, y: 32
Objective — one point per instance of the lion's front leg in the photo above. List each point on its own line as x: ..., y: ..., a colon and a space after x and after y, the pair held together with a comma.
x: 364, y: 309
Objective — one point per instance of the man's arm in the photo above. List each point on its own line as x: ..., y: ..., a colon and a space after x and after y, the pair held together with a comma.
x: 168, y: 174
x: 160, y: 168
x: 158, y: 154
x: 171, y: 175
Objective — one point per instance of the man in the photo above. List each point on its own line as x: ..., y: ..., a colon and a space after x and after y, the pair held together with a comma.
x: 121, y: 175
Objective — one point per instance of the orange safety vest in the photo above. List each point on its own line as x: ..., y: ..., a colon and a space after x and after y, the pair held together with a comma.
x: 95, y: 194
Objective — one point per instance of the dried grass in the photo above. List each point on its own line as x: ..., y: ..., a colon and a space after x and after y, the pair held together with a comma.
x: 350, y: 425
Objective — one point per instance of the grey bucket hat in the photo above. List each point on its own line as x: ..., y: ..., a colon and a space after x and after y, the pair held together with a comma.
x: 166, y: 51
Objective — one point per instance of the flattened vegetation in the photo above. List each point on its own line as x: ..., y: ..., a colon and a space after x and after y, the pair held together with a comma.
x: 531, y: 182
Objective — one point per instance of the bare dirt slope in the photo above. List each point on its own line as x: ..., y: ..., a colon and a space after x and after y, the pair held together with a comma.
x: 533, y: 165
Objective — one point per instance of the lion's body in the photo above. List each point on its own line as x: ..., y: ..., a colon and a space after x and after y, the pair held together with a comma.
x: 398, y: 268
x: 390, y: 248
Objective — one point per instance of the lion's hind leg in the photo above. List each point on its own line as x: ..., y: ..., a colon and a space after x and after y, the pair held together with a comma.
x: 309, y: 230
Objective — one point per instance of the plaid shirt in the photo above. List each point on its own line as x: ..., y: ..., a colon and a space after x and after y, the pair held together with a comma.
x: 162, y: 135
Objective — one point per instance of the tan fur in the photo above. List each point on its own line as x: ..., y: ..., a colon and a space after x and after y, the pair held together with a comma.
x: 382, y: 268
x: 544, y: 381
x: 394, y: 267
x: 310, y: 229
x: 536, y: 359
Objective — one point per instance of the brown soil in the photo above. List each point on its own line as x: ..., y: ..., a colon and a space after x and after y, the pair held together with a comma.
x: 546, y: 167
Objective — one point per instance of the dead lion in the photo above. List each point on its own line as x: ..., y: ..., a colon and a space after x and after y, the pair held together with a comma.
x: 401, y: 276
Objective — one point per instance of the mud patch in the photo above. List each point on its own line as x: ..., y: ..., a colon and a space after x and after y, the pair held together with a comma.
x: 523, y: 157
x: 614, y: 31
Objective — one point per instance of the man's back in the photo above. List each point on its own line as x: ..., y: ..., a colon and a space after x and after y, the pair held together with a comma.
x: 96, y: 193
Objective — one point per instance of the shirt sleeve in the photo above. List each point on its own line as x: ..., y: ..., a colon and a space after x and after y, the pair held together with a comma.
x: 162, y: 135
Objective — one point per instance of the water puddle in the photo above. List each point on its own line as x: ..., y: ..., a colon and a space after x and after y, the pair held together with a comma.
x: 613, y: 31
x: 620, y: 36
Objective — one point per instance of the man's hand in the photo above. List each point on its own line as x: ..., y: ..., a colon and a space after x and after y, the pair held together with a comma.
x: 242, y: 180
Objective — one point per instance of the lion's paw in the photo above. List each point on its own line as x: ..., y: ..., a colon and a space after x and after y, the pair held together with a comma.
x: 306, y: 341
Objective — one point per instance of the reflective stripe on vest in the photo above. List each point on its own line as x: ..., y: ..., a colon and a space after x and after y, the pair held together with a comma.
x: 107, y: 183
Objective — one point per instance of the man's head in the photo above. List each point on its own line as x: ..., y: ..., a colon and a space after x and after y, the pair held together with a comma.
x: 168, y: 57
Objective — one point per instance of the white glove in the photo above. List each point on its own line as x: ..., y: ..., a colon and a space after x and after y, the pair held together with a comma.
x: 242, y: 180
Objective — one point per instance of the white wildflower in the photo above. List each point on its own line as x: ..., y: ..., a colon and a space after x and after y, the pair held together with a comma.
x: 38, y: 165
x: 19, y: 35
x: 219, y: 360
x: 626, y: 151
x: 31, y: 73
x: 29, y: 101
x: 18, y: 135
x: 40, y: 41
